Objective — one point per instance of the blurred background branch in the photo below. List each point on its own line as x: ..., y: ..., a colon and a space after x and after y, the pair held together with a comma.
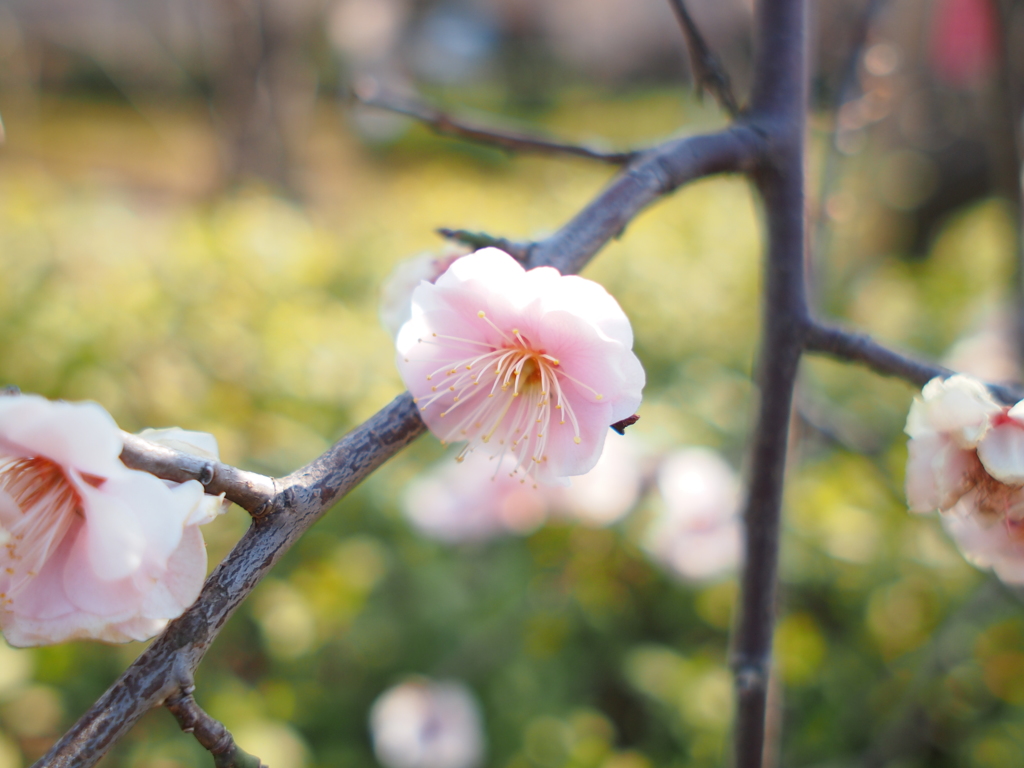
x: 368, y: 92
x: 708, y: 72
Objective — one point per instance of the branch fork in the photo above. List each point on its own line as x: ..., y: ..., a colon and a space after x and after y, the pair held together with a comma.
x: 767, y: 144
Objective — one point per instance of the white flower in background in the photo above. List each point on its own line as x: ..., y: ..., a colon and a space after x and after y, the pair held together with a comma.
x: 607, y: 492
x: 966, y: 452
x: 988, y: 354
x: 426, y: 724
x: 396, y: 292
x: 472, y: 500
x: 533, y: 363
x: 90, y: 548
x: 698, y: 533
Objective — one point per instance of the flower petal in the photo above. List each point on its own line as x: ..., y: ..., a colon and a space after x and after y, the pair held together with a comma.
x: 82, y: 435
x: 1002, y: 453
x: 938, y: 473
x: 959, y: 405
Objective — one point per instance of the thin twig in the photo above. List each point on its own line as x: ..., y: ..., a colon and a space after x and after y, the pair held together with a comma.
x: 1006, y: 145
x: 517, y: 250
x: 651, y: 177
x: 304, y: 497
x: 861, y: 348
x: 708, y: 73
x: 368, y: 93
x: 249, y: 490
x: 210, y: 733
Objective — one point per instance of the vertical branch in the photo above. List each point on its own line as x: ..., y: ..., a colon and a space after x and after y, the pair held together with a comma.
x: 778, y: 106
x: 1007, y: 154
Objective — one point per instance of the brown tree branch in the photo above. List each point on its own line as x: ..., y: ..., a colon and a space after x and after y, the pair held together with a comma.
x: 708, y: 73
x: 303, y: 497
x: 248, y: 490
x: 779, y: 107
x: 517, y: 250
x: 861, y: 348
x: 210, y: 733
x: 368, y: 93
x: 656, y: 173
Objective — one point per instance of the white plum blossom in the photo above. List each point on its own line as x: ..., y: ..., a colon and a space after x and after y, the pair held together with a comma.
x: 966, y: 451
x: 473, y: 500
x: 533, y: 363
x: 698, y: 533
x: 966, y: 460
x: 396, y: 292
x: 91, y: 548
x: 427, y: 724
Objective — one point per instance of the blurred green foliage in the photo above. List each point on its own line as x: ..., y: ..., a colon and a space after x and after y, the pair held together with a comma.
x: 129, y: 280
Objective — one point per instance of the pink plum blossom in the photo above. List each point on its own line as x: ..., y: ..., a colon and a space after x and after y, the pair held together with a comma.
x: 534, y: 363
x: 91, y: 548
x: 476, y: 499
x: 427, y: 724
x: 698, y: 533
x: 396, y: 292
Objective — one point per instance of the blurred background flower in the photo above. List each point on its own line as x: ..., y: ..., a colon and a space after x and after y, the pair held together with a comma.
x: 426, y: 724
x: 473, y: 499
x: 697, y: 534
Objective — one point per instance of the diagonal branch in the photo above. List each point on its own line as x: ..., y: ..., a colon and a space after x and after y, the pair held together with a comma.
x: 210, y: 733
x: 657, y: 173
x: 708, y: 73
x: 302, y: 498
x: 368, y: 92
x: 861, y: 348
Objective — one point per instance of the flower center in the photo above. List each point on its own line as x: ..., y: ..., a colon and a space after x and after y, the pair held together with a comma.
x: 512, y: 392
x: 48, y: 504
